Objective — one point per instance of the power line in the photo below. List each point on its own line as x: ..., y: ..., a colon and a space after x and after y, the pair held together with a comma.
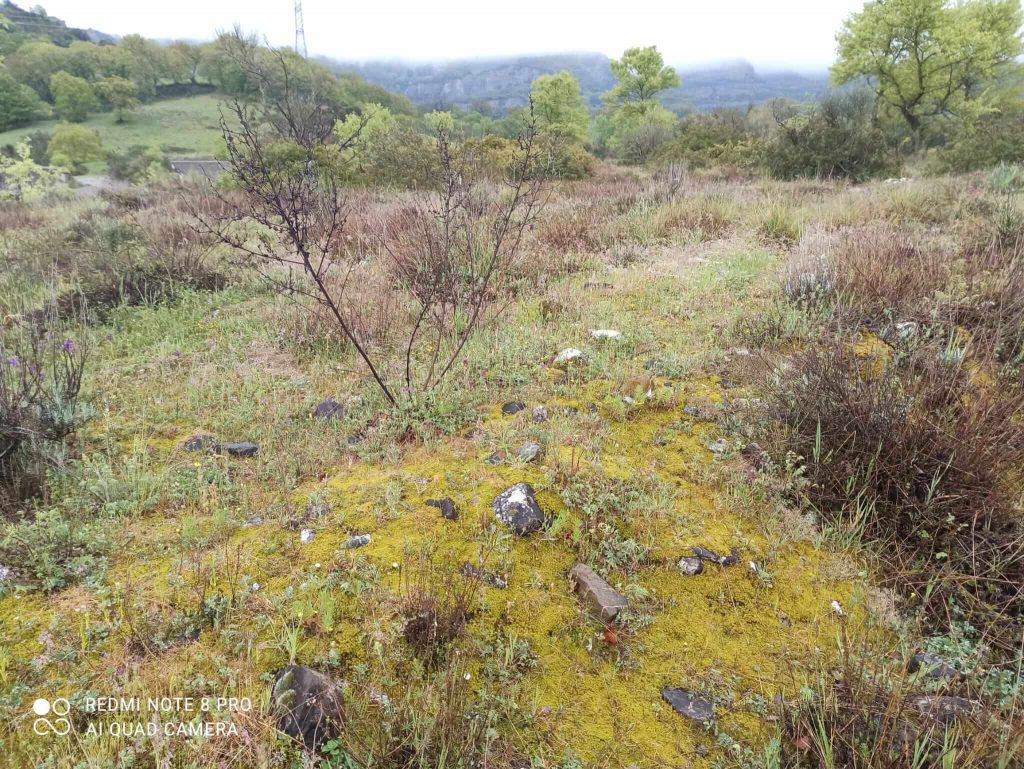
x: 300, y: 31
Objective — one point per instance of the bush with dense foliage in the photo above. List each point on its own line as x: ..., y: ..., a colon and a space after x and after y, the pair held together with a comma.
x: 996, y: 137
x: 836, y: 138
x: 72, y: 146
x: 722, y: 138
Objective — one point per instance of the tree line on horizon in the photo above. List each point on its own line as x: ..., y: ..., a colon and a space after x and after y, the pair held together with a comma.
x: 914, y: 78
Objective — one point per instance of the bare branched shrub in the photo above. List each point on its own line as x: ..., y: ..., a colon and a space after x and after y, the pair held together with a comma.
x: 448, y: 251
x: 438, y: 602
x: 445, y: 254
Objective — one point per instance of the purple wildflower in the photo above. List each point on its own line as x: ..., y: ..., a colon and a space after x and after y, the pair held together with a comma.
x: 13, y: 361
x: 69, y: 345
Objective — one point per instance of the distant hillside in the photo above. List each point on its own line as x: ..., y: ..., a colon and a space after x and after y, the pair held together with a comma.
x: 505, y: 82
x: 38, y: 25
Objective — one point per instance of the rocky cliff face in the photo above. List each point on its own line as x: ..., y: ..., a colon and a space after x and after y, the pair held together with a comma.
x: 504, y: 83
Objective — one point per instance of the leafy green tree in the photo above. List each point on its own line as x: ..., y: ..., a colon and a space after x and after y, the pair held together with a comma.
x: 640, y: 128
x: 24, y: 179
x: 642, y: 75
x: 73, y: 97
x: 927, y: 59
x: 119, y: 93
x: 34, y: 63
x: 560, y: 110
x: 184, y: 60
x: 19, y: 104
x: 143, y: 62
x: 637, y: 124
x: 72, y: 146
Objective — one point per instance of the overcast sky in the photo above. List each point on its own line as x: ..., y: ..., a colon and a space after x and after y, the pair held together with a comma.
x: 779, y: 33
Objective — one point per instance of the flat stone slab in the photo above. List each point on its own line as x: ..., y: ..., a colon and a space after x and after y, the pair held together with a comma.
x: 328, y: 409
x: 243, y: 449
x: 689, y: 705
x: 601, y: 597
x: 512, y: 407
x: 933, y: 666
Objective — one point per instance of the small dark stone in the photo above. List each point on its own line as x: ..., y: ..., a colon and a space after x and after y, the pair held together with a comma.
x: 517, y: 508
x: 201, y: 442
x: 540, y: 414
x: 496, y: 458
x: 689, y: 705
x: 307, y: 705
x: 328, y: 409
x: 944, y: 709
x: 253, y: 520
x: 592, y: 408
x: 358, y: 540
x: 691, y: 565
x: 241, y: 449
x: 691, y: 411
x: 934, y: 666
x: 474, y: 434
x: 446, y: 506
x: 475, y: 572
x: 722, y: 560
x: 512, y: 407
x: 570, y: 410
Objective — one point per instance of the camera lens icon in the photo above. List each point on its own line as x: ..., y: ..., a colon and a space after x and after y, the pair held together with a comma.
x: 60, y: 725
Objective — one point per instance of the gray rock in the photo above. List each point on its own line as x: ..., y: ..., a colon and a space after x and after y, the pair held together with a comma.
x: 201, y: 442
x: 306, y: 536
x: 602, y: 598
x: 512, y: 407
x: 570, y: 355
x: 517, y: 508
x: 944, y: 709
x: 597, y: 286
x: 253, y: 520
x: 691, y: 565
x: 540, y: 414
x: 446, y: 506
x: 328, y: 409
x: 359, y: 540
x: 605, y: 333
x: 243, y: 449
x: 6, y: 573
x: 689, y: 705
x: 307, y: 705
x: 496, y: 458
x: 691, y: 411
x: 934, y: 667
x: 528, y: 452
